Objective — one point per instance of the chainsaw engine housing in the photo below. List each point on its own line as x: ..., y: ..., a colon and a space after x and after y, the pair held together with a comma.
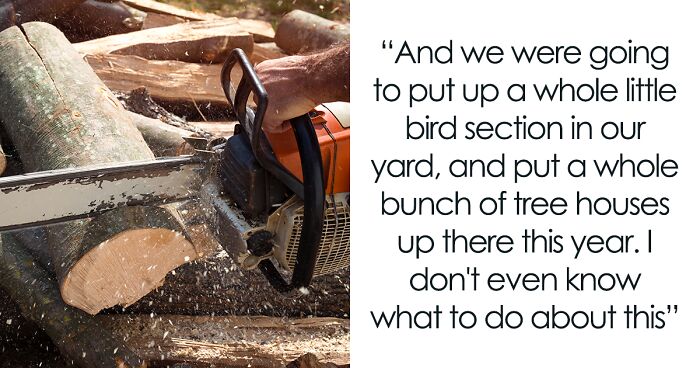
x: 262, y: 198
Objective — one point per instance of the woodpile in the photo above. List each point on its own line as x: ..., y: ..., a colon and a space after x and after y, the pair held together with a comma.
x: 86, y: 82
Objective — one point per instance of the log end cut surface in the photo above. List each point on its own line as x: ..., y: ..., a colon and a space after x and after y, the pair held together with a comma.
x: 137, y: 248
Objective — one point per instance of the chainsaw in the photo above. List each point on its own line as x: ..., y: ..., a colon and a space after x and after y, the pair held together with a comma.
x: 278, y: 202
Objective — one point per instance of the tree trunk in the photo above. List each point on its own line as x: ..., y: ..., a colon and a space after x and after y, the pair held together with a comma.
x: 299, y: 32
x: 197, y: 42
x: 80, y: 338
x: 60, y: 115
x: 163, y: 139
x: 94, y: 19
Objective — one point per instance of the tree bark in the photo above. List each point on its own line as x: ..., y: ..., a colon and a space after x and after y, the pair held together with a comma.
x: 60, y: 115
x: 80, y: 338
x: 163, y: 139
x: 299, y: 32
x: 94, y: 19
x: 196, y: 42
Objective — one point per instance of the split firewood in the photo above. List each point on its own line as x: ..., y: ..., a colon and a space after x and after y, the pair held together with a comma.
x: 155, y: 20
x: 197, y: 42
x: 153, y: 6
x: 299, y: 32
x: 59, y: 114
x: 266, y: 51
x: 14, y: 12
x: 262, y: 31
x: 233, y: 341
x: 94, y: 19
x: 168, y: 82
x: 223, y: 129
x: 80, y: 338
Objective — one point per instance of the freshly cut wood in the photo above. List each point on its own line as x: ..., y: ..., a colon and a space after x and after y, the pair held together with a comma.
x: 217, y: 128
x: 167, y: 81
x: 152, y: 6
x: 266, y: 51
x: 155, y: 20
x: 261, y: 30
x: 79, y: 337
x: 232, y: 341
x: 299, y: 31
x: 162, y: 138
x: 94, y: 19
x: 60, y: 115
x: 196, y: 42
x: 138, y: 242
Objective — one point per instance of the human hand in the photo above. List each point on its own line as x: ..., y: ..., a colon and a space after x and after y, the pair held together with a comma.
x: 289, y: 88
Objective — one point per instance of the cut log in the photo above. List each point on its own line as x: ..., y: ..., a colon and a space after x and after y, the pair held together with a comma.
x: 152, y: 6
x: 94, y: 19
x: 80, y: 338
x: 155, y: 20
x: 162, y: 138
x: 167, y: 81
x: 60, y: 115
x: 299, y: 32
x: 216, y: 128
x: 232, y: 341
x: 266, y: 51
x: 196, y: 42
x: 262, y: 31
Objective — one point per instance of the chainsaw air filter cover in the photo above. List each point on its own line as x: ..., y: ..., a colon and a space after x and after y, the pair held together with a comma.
x: 334, y: 248
x: 252, y: 188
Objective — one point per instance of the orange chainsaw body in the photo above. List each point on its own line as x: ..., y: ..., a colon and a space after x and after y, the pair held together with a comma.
x: 334, y: 141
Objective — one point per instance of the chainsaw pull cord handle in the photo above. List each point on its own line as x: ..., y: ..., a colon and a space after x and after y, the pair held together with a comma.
x: 311, y: 191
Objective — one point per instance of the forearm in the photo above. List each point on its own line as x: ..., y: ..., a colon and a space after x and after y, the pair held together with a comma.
x: 329, y: 74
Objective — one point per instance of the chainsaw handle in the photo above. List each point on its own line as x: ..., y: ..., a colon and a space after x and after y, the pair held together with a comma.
x: 252, y: 121
x: 311, y: 191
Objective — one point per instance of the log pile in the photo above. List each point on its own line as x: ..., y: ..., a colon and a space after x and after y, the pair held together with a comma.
x: 87, y: 82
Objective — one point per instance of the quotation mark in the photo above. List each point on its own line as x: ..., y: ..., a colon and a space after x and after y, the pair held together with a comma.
x: 391, y: 45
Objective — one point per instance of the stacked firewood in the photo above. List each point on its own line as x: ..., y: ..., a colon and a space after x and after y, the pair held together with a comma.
x: 86, y: 82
